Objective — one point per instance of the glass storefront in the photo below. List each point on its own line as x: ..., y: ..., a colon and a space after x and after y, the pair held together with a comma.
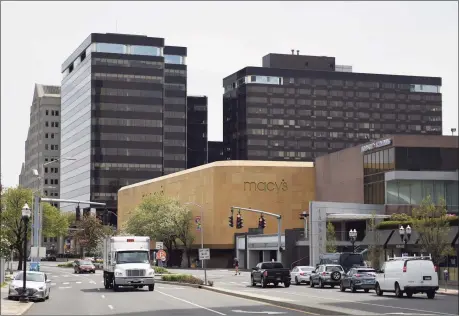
x: 414, y: 191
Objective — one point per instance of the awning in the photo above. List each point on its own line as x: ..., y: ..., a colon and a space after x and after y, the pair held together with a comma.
x: 396, y: 241
x: 384, y: 235
x: 355, y: 216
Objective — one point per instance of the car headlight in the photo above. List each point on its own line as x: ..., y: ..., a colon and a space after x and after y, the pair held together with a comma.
x: 151, y: 272
x: 118, y: 273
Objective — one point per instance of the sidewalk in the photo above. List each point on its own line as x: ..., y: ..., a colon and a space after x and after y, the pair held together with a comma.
x: 8, y: 307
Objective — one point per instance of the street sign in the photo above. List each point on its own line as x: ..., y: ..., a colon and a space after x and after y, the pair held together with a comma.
x: 160, y: 254
x: 204, y: 254
x: 38, y: 252
x: 163, y: 259
x: 159, y: 245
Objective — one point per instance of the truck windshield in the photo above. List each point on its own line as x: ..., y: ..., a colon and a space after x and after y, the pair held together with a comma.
x: 132, y: 257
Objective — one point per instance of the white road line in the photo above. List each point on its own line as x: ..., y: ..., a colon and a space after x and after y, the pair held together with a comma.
x: 245, y: 282
x: 92, y: 282
x: 52, y: 284
x: 363, y: 303
x: 66, y: 283
x: 110, y: 306
x: 65, y: 287
x: 188, y: 302
x: 78, y: 282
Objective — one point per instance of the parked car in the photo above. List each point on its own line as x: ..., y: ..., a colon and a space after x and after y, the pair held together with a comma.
x: 82, y: 266
x: 347, y: 260
x: 37, y: 286
x: 359, y: 279
x: 270, y: 272
x: 301, y: 274
x: 327, y: 274
x: 409, y: 275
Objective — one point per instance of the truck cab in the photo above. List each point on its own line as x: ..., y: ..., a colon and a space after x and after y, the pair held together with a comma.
x: 127, y: 263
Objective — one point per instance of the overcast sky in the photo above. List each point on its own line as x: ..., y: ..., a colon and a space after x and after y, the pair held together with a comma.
x: 410, y: 38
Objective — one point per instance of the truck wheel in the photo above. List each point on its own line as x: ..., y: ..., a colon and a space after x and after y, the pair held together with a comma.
x: 378, y: 290
x: 253, y: 281
x: 311, y: 283
x: 106, y: 283
x: 431, y: 295
x: 276, y: 284
x: 115, y: 286
x: 151, y: 288
x: 264, y: 283
x: 286, y: 284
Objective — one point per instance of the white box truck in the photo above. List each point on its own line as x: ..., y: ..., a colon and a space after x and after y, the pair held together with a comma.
x: 127, y: 262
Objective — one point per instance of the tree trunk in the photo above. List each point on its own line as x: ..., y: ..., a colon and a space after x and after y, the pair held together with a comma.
x: 188, y: 256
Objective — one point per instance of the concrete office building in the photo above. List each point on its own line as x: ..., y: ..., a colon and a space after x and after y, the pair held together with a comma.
x: 123, y: 115
x: 298, y: 107
x: 196, y: 125
x: 42, y: 146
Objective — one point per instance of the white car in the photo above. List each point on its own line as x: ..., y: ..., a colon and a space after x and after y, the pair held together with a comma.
x: 301, y: 274
x: 409, y: 275
x: 37, y: 286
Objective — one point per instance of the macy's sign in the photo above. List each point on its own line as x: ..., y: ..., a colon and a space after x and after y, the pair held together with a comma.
x: 266, y: 186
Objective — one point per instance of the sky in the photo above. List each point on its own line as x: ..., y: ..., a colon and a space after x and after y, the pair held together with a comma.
x: 409, y: 38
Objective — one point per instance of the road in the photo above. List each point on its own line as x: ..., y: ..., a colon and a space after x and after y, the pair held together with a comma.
x: 75, y: 294
x: 328, y: 297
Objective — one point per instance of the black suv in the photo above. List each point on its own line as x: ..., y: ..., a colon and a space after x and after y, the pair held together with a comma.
x: 327, y: 274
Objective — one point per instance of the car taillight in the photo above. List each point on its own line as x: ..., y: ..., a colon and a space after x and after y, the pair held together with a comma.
x: 404, y: 269
x: 265, y: 273
x: 301, y: 273
x: 324, y: 273
x: 358, y: 275
x: 436, y: 268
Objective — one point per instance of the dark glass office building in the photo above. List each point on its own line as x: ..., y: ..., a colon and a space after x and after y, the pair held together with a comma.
x: 299, y: 107
x: 123, y: 115
x: 196, y: 131
x: 215, y: 149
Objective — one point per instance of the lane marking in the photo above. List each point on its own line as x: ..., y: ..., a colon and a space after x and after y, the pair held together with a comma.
x: 52, y: 284
x: 78, y: 282
x: 65, y: 283
x: 247, y: 312
x: 110, y: 306
x: 65, y: 287
x: 370, y: 304
x: 188, y: 302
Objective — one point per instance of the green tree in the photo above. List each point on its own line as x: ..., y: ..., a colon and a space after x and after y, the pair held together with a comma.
x: 375, y: 249
x: 330, y: 245
x: 13, y: 200
x: 89, y: 232
x: 183, y: 222
x: 430, y: 221
x: 152, y: 218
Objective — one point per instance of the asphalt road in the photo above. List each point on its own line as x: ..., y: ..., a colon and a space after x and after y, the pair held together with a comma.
x: 328, y: 297
x: 75, y: 294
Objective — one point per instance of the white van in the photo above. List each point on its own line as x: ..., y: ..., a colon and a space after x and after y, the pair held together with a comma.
x: 409, y: 275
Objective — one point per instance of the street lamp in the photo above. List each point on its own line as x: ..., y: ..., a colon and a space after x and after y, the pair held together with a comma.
x: 353, y: 238
x: 25, y: 218
x: 405, y: 235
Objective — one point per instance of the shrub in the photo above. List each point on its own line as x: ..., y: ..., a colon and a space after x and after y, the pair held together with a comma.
x: 161, y: 270
x: 65, y: 265
x: 182, y: 278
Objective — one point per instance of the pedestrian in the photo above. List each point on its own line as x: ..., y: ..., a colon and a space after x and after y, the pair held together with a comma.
x: 236, y: 266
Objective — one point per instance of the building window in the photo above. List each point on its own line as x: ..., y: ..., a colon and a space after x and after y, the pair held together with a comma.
x: 174, y: 59
x: 144, y: 50
x: 110, y: 48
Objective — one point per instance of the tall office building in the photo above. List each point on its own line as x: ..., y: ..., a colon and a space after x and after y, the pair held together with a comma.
x: 196, y: 131
x: 42, y: 147
x: 298, y: 107
x: 215, y: 149
x: 123, y: 115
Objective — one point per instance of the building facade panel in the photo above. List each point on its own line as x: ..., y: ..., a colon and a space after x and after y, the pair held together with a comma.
x: 197, y: 148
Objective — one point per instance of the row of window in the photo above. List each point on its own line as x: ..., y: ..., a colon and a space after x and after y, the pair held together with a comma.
x: 296, y: 144
x: 278, y: 153
x: 172, y: 170
x: 379, y: 161
x: 128, y: 92
x: 53, y: 112
x: 172, y: 114
x: 52, y: 181
x: 126, y: 166
x: 52, y: 170
x: 175, y: 72
x: 128, y: 152
x: 180, y: 157
x: 51, y: 147
x: 297, y: 133
x: 55, y: 194
x: 50, y: 135
x: 127, y: 77
x: 129, y: 137
x: 128, y: 63
x: 170, y: 100
x: 52, y: 124
x: 126, y: 122
x: 174, y: 142
x: 128, y: 107
x: 175, y: 86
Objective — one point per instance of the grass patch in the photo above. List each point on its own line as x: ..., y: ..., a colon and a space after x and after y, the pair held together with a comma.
x: 65, y: 265
x: 161, y: 270
x: 183, y: 278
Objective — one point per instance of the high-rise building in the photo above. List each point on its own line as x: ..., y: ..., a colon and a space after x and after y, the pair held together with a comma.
x: 196, y: 131
x: 215, y: 149
x: 42, y: 147
x: 123, y: 115
x: 298, y: 107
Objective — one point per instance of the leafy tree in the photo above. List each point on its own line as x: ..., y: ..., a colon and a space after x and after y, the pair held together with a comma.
x: 430, y: 221
x: 13, y: 200
x: 375, y: 249
x: 331, y: 238
x: 153, y: 218
x: 89, y: 232
x: 183, y: 222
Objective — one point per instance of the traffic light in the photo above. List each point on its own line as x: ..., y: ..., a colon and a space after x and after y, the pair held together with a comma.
x: 261, y: 222
x: 77, y: 213
x: 239, y: 221
x: 231, y: 222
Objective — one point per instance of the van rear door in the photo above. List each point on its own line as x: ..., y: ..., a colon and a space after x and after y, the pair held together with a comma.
x: 421, y: 273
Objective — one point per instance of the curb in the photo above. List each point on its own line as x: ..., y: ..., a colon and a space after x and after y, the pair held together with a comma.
x: 294, y: 306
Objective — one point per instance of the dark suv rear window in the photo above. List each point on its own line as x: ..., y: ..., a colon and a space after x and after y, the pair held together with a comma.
x: 273, y: 265
x: 333, y: 268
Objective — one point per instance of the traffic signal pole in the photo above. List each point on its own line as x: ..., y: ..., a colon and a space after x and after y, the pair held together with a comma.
x: 279, y: 225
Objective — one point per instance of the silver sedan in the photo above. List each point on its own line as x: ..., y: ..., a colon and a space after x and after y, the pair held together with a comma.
x: 37, y: 286
x: 301, y: 274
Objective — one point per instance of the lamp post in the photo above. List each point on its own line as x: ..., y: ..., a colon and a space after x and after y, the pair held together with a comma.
x: 405, y: 235
x: 353, y: 238
x: 25, y: 218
